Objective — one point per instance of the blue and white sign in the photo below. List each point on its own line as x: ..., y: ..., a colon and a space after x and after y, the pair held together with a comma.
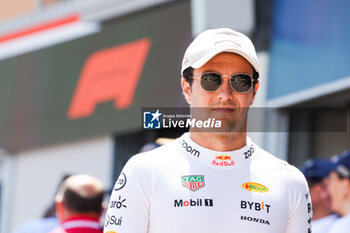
x: 151, y: 120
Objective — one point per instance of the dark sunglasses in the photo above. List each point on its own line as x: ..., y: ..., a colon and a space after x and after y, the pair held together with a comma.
x: 212, y: 81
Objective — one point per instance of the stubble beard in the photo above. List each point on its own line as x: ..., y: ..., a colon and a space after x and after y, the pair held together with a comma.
x: 231, y: 122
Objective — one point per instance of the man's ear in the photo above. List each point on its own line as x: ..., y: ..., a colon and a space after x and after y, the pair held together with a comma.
x: 103, y: 208
x: 186, y: 90
x: 255, y: 91
x: 59, y: 210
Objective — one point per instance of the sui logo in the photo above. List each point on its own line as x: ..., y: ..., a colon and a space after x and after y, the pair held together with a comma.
x: 151, y: 120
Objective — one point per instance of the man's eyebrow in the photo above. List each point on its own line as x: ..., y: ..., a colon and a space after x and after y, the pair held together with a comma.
x: 210, y: 71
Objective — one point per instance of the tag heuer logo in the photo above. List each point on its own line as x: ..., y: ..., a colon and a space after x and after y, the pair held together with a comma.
x: 193, y: 182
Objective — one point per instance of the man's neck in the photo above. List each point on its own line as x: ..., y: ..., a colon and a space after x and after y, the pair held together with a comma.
x: 319, y: 213
x: 69, y: 215
x: 345, y: 207
x: 220, y: 141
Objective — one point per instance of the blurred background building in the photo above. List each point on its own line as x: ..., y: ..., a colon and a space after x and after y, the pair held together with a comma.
x: 76, y: 73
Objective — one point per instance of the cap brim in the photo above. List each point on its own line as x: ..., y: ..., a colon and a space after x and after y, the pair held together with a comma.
x: 203, y: 60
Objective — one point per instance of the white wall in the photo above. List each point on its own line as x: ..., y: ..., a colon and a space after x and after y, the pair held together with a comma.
x: 235, y: 14
x: 256, y: 118
x: 274, y: 142
x: 37, y: 173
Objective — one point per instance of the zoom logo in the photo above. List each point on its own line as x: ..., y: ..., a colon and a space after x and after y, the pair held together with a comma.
x: 189, y: 149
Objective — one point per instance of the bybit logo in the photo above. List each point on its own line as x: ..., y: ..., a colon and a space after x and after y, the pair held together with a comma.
x: 257, y: 206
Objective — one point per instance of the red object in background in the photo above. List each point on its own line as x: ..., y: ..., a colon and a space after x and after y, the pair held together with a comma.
x: 109, y: 74
x: 40, y: 28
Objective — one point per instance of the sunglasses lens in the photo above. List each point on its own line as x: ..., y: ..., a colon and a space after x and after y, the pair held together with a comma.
x: 211, y: 81
x: 241, y: 82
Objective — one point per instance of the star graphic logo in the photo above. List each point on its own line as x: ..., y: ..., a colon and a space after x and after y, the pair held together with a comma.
x: 151, y: 120
x: 156, y: 115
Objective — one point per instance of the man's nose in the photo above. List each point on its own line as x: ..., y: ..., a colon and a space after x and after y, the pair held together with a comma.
x: 225, y: 91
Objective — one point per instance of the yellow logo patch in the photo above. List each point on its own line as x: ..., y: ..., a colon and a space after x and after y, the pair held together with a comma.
x: 255, y: 187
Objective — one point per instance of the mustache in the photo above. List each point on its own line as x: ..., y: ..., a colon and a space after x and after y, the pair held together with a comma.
x: 227, y: 105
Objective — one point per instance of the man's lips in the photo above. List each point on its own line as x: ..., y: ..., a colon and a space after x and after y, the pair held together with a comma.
x: 223, y: 109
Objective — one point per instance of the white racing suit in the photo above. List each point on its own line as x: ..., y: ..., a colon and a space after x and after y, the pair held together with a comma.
x: 183, y: 187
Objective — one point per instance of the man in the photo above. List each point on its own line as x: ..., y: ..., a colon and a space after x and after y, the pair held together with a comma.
x: 217, y: 181
x: 339, y: 191
x: 316, y: 172
x: 79, y: 205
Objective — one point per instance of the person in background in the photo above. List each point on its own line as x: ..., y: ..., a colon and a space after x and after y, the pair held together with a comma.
x: 79, y: 205
x: 316, y: 172
x: 339, y: 191
x: 48, y: 222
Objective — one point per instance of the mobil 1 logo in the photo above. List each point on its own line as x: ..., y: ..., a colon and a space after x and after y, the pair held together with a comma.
x: 193, y: 203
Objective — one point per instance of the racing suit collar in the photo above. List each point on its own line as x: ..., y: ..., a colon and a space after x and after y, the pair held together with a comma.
x: 216, y: 159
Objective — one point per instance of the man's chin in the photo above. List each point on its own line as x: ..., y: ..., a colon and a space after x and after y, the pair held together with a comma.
x: 229, y: 126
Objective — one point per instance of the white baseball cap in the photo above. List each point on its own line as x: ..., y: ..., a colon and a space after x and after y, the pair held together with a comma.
x: 214, y: 41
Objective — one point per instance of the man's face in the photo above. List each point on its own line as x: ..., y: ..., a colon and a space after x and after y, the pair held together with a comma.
x: 320, y: 195
x: 223, y: 104
x: 338, y: 190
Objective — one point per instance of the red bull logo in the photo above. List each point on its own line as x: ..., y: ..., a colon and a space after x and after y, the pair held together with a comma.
x: 223, y: 157
x: 223, y: 161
